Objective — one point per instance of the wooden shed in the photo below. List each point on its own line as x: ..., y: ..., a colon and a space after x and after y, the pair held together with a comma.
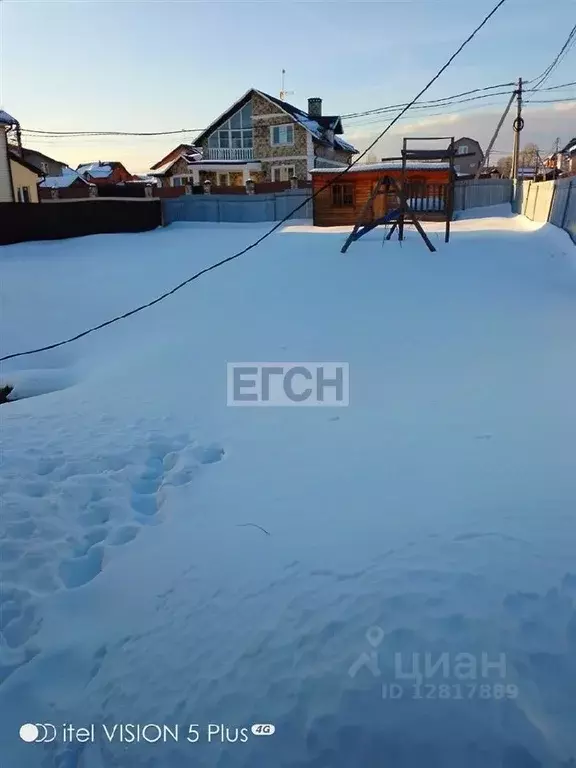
x: 427, y: 190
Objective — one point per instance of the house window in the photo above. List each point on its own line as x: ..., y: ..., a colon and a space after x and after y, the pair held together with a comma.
x: 281, y: 135
x: 235, y: 133
x: 457, y: 168
x: 283, y: 172
x: 23, y: 194
x: 223, y: 180
x: 463, y: 149
x: 44, y: 167
x: 177, y: 181
x: 343, y: 195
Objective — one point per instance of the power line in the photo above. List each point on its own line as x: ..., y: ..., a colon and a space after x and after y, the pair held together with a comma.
x: 541, y: 79
x: 276, y: 226
x: 433, y: 103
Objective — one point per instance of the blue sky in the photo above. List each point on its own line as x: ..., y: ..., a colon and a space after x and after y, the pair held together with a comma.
x: 145, y: 65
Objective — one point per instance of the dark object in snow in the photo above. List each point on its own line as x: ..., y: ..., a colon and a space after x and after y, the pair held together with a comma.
x: 5, y: 393
x: 253, y: 525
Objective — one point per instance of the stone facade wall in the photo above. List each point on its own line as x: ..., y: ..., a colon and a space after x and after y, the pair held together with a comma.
x: 300, y: 168
x: 179, y: 167
x: 262, y: 140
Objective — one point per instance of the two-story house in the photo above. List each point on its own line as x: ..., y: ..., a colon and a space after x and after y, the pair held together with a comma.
x: 264, y: 138
x: 43, y: 163
x: 469, y: 156
x: 18, y: 178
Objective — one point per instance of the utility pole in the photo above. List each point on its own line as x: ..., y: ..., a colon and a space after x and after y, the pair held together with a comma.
x: 518, y: 125
x: 486, y: 162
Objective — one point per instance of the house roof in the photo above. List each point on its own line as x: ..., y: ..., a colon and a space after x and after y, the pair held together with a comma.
x: 14, y: 157
x: 181, y: 149
x: 317, y: 126
x: 69, y: 176
x: 96, y: 170
x: 102, y: 169
x: 570, y: 147
x: 6, y: 119
x: 163, y: 169
x: 468, y: 139
x: 29, y: 152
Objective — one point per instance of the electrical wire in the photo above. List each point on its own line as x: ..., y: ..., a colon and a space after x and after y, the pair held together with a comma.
x: 541, y: 79
x: 278, y: 224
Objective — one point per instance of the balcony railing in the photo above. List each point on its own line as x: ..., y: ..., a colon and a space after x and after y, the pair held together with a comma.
x: 229, y: 154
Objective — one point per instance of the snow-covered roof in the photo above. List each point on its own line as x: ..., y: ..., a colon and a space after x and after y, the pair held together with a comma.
x: 344, y: 144
x: 6, y: 119
x: 69, y: 176
x: 164, y: 168
x: 95, y: 170
x: 387, y: 166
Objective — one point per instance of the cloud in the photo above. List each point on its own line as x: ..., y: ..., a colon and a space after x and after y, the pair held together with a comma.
x: 543, y: 124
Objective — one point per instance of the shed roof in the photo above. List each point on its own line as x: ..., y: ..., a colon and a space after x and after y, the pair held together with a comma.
x: 388, y: 166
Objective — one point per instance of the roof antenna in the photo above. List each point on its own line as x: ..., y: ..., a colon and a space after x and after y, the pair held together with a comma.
x: 283, y: 92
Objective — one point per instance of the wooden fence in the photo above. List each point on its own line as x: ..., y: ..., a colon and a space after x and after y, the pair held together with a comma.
x: 20, y: 222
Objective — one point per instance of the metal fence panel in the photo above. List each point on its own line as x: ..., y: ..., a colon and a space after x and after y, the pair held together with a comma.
x: 237, y: 208
x: 549, y: 201
x: 481, y: 192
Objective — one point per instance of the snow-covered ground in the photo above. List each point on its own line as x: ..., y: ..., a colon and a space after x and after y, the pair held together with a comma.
x: 433, y: 516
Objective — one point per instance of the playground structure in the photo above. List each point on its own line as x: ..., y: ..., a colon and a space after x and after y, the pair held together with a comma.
x: 402, y: 191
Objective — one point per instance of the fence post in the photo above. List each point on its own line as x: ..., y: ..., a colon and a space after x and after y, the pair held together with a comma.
x: 537, y: 188
x: 552, y: 200
x: 568, y: 195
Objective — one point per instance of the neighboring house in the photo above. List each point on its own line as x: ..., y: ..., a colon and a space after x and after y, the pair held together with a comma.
x: 557, y: 160
x: 46, y: 165
x: 569, y: 151
x: 108, y: 172
x: 264, y: 138
x: 174, y: 170
x: 490, y: 172
x: 474, y: 156
x: 25, y: 179
x: 68, y: 178
x: 537, y: 174
x: 181, y: 149
x: 7, y: 124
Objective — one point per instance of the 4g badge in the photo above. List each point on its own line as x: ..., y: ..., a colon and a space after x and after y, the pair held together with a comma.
x: 225, y: 734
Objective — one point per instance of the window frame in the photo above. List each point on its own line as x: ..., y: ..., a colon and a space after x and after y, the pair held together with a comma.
x: 244, y: 115
x: 44, y: 166
x: 286, y: 126
x: 339, y: 189
x: 462, y: 149
x: 281, y: 168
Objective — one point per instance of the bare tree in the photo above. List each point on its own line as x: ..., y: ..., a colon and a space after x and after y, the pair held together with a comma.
x: 504, y: 165
x: 529, y: 156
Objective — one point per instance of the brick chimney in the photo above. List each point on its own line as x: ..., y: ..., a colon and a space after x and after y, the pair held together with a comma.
x: 315, y: 107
